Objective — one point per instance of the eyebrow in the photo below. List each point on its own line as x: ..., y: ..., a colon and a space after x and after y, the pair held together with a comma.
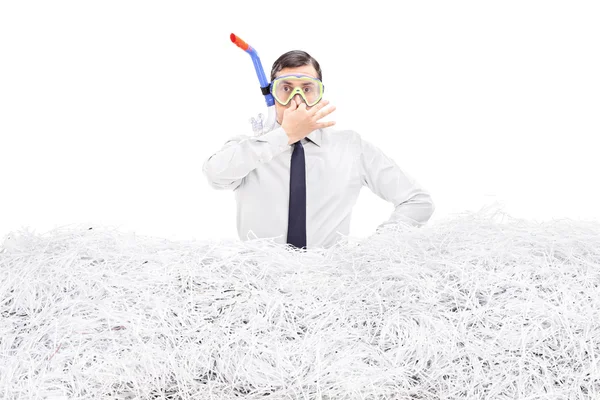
x: 304, y: 83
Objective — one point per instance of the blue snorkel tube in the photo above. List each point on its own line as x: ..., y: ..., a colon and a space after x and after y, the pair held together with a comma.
x: 258, y: 126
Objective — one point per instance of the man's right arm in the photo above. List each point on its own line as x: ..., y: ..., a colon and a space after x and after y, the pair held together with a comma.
x: 240, y: 155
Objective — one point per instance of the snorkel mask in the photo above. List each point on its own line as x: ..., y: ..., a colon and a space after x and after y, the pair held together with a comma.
x: 284, y: 88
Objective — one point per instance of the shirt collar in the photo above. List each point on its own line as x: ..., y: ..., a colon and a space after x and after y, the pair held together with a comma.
x: 315, y: 136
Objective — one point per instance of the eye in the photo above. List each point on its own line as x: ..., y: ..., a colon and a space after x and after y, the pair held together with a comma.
x: 307, y: 89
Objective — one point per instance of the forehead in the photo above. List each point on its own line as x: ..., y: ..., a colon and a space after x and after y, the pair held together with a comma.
x: 303, y: 70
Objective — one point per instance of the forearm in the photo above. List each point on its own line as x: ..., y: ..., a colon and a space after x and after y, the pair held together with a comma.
x: 226, y: 168
x: 416, y: 211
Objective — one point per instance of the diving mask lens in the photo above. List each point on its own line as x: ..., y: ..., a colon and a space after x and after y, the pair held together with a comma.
x: 284, y: 88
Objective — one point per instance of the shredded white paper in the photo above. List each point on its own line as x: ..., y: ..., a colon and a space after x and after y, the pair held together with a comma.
x: 478, y: 306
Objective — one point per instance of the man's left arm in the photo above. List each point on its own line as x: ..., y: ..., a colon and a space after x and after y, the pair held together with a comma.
x: 412, y: 202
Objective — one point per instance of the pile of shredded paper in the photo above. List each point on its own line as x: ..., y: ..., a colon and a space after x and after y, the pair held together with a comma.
x: 477, y: 306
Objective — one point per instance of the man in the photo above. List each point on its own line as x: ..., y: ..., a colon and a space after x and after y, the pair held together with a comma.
x: 299, y: 182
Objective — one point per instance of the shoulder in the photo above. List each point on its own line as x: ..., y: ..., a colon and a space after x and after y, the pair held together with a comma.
x: 341, y: 136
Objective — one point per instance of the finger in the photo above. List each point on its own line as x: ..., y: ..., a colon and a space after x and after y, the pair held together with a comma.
x: 319, y: 106
x: 290, y: 108
x: 325, y: 112
x: 325, y: 124
x: 293, y: 105
x: 302, y: 106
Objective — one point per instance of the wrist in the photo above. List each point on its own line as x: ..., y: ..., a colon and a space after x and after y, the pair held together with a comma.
x: 289, y: 136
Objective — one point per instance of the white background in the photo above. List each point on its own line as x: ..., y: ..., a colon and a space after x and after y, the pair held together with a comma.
x: 108, y: 109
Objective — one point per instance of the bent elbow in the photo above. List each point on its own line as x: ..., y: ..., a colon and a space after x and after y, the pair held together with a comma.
x: 431, y: 206
x: 225, y: 185
x: 218, y: 183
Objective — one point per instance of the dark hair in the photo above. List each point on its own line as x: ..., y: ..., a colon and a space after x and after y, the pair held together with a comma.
x: 295, y: 58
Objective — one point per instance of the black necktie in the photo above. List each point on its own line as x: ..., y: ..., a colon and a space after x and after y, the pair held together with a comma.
x: 297, y: 213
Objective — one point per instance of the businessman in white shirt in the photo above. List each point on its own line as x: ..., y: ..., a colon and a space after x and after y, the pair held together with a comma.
x: 299, y: 182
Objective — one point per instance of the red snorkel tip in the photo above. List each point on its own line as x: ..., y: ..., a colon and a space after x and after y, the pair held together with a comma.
x: 239, y: 42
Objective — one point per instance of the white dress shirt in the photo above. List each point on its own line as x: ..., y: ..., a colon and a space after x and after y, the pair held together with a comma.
x: 338, y: 164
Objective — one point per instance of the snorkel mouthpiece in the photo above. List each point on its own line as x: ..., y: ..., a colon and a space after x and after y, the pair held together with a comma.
x: 260, y: 73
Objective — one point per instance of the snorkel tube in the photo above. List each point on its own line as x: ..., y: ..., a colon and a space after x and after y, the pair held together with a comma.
x: 264, y: 86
